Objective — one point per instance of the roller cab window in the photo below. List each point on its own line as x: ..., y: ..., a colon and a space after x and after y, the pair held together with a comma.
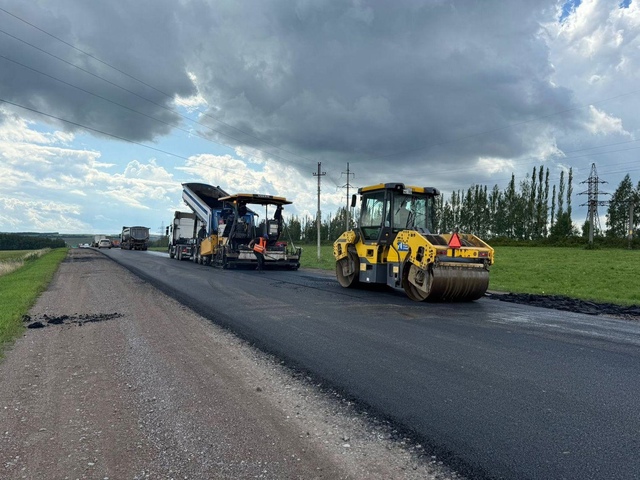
x: 374, y: 208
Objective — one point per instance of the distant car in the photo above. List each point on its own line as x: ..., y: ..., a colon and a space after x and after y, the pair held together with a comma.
x: 104, y: 243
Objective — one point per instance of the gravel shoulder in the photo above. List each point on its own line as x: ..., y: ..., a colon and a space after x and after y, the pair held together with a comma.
x: 124, y: 382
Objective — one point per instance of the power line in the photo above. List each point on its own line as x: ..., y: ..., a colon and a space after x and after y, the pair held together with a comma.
x: 258, y: 138
x: 137, y: 95
x: 225, y: 170
x: 177, y: 127
x: 171, y: 97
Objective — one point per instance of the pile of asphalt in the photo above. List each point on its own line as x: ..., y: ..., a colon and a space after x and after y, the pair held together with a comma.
x: 559, y: 302
x: 45, y: 320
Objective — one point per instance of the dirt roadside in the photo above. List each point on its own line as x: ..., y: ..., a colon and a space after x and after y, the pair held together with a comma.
x: 125, y: 383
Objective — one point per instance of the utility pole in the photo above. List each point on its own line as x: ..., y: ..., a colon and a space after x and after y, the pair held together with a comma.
x: 318, y: 216
x: 348, y: 210
x: 631, y: 222
x: 592, y: 202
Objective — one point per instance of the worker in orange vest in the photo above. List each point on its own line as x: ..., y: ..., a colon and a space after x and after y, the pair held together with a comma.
x: 259, y: 248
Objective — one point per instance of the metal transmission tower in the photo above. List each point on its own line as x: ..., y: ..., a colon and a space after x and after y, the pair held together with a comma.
x: 592, y: 200
x: 347, y: 186
x: 319, y: 175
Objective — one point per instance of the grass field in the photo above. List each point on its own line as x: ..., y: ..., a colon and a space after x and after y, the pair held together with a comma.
x: 13, y: 254
x: 607, y: 275
x: 20, y: 289
x: 11, y: 260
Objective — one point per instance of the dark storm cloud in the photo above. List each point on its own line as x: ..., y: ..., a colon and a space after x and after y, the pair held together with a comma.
x: 138, y: 38
x: 415, y: 81
x: 374, y: 83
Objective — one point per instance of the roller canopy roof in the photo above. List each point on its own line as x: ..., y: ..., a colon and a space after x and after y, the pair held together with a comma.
x: 400, y: 187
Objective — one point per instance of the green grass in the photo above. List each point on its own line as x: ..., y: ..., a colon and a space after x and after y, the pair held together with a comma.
x: 309, y: 258
x: 20, y: 289
x: 605, y: 275
x: 11, y: 260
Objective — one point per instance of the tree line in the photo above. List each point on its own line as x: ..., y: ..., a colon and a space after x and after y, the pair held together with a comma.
x: 531, y: 209
x: 13, y: 241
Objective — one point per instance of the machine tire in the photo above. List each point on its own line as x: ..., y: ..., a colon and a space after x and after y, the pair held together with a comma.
x: 352, y: 279
x: 413, y: 292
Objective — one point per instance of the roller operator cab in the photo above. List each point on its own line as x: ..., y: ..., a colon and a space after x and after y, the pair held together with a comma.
x: 396, y: 244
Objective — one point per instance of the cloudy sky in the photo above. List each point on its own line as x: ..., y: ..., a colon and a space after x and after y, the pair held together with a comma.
x: 106, y: 108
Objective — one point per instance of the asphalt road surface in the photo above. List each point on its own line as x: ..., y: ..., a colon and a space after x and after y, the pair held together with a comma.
x: 496, y: 390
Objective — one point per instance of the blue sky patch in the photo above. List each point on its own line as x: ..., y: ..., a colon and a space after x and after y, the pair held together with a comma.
x: 569, y: 7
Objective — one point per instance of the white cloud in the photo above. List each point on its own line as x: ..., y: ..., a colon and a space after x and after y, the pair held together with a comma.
x: 49, y: 216
x: 604, y: 124
x: 495, y: 165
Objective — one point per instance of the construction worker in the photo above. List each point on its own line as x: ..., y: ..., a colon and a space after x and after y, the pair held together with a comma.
x: 259, y: 248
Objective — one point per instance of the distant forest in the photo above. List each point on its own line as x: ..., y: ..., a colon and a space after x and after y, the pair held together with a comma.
x: 15, y: 241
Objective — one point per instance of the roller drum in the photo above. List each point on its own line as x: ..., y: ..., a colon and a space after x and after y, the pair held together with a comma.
x: 446, y: 283
x: 458, y: 283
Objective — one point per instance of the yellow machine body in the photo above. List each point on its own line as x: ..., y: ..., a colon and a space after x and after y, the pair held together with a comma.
x: 401, y: 251
x: 208, y: 245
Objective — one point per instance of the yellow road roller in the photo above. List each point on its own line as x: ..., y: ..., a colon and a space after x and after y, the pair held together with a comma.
x: 395, y: 244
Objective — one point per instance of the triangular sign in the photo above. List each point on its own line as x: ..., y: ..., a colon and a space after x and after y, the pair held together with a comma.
x: 455, y: 241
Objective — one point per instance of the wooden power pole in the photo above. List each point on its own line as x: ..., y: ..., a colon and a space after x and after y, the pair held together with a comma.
x: 318, y: 217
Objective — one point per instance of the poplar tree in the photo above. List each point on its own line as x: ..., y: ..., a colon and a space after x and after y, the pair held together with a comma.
x: 496, y: 214
x: 569, y: 191
x: 618, y: 212
x: 511, y: 206
x: 560, y: 196
x: 546, y: 204
x: 553, y: 205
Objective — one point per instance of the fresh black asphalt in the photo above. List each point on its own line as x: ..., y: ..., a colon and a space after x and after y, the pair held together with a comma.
x: 495, y: 389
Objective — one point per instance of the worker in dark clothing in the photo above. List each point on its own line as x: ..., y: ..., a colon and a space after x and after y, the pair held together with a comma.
x: 202, y: 233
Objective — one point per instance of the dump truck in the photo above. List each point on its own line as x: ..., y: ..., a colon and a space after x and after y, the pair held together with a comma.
x: 181, y: 235
x: 134, y: 238
x: 395, y: 244
x: 96, y: 240
x: 242, y: 231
